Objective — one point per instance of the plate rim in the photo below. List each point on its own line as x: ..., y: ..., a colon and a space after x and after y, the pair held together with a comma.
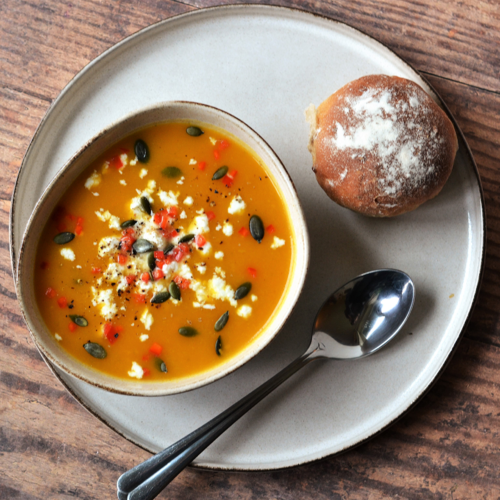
x: 275, y: 9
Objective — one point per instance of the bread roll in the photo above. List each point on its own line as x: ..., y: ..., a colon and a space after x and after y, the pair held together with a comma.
x: 381, y: 146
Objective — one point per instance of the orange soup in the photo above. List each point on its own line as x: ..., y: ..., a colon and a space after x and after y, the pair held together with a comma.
x: 167, y: 256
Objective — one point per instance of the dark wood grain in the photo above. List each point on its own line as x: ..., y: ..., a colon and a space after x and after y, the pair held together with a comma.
x: 448, y: 446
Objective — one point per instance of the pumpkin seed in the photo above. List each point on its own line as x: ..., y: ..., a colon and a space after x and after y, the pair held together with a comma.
x: 218, y: 345
x: 151, y: 260
x: 174, y: 290
x: 220, y: 173
x: 256, y: 227
x: 171, y: 172
x: 142, y: 246
x: 95, y: 350
x: 160, y: 364
x: 221, y: 322
x: 141, y: 151
x: 242, y: 291
x: 63, y: 238
x: 187, y: 238
x: 194, y: 131
x: 160, y: 297
x: 78, y: 320
x: 168, y: 249
x: 146, y: 205
x: 188, y: 331
x: 128, y: 223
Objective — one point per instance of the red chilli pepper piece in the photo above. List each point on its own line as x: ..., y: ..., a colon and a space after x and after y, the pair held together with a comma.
x: 159, y: 255
x: 156, y: 349
x: 145, y: 277
x: 130, y: 279
x: 200, y: 241
x: 210, y: 215
x: 62, y: 302
x: 252, y: 272
x: 224, y: 144
x: 78, y: 230
x: 116, y: 162
x: 158, y: 274
x: 122, y: 259
x: 244, y: 231
x: 140, y: 298
x: 216, y: 154
x: 95, y: 270
x: 202, y: 165
x: 146, y: 372
x: 270, y: 229
x: 50, y: 292
x: 227, y: 181
x: 72, y: 327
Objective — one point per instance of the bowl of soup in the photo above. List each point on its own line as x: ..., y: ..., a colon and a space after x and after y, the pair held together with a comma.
x: 165, y: 254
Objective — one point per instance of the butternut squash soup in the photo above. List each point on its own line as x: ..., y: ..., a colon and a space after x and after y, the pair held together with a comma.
x: 167, y: 256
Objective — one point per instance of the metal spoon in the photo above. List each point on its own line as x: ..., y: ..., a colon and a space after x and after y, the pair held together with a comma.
x: 355, y: 321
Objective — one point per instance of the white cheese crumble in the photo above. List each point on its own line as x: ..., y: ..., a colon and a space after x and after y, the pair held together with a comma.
x: 237, y: 205
x: 277, y: 242
x: 134, y: 161
x: 58, y: 337
x: 202, y: 268
x: 123, y: 182
x: 254, y: 298
x: 169, y: 198
x: 143, y: 337
x: 68, y: 254
x: 95, y: 194
x: 227, y: 229
x: 180, y: 181
x: 199, y: 225
x: 136, y: 371
x: 78, y: 267
x: 143, y: 172
x: 192, y: 161
x: 219, y: 255
x: 107, y: 245
x: 218, y: 227
x: 219, y: 289
x: 188, y: 201
x: 183, y: 215
x: 93, y: 180
x: 244, y: 311
x: 104, y: 299
x: 205, y: 249
x: 213, y: 141
x: 209, y: 306
x: 147, y: 319
x: 113, y: 221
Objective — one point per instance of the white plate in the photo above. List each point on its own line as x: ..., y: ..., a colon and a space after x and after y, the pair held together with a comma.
x: 266, y: 65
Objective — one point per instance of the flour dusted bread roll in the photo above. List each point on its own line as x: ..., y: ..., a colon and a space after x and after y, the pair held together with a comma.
x: 381, y: 146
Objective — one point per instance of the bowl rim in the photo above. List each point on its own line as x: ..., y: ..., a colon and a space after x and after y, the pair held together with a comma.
x: 293, y: 288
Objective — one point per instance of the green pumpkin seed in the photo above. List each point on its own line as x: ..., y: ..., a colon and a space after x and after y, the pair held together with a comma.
x: 160, y: 364
x: 221, y: 322
x: 187, y: 238
x: 194, y: 131
x: 188, y: 331
x: 256, y: 227
x: 168, y: 249
x: 146, y: 205
x: 151, y: 261
x: 95, y: 350
x: 142, y: 246
x: 63, y: 238
x: 160, y: 297
x: 218, y: 345
x: 242, y: 291
x: 128, y: 223
x: 220, y: 173
x: 141, y: 151
x: 171, y: 172
x: 174, y: 290
x: 78, y: 320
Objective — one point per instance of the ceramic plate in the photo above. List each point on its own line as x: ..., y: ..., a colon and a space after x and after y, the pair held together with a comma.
x: 265, y: 65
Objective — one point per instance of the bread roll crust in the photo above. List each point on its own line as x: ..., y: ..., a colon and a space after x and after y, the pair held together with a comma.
x: 381, y: 146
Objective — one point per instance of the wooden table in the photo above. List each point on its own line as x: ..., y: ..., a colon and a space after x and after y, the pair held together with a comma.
x: 446, y: 447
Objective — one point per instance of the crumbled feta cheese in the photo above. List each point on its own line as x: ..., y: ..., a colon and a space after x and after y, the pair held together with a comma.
x: 124, y: 158
x: 78, y: 267
x: 136, y: 371
x: 151, y: 233
x: 185, y: 272
x: 107, y: 245
x: 147, y: 319
x: 244, y: 311
x: 218, y: 227
x: 237, y: 205
x: 95, y: 194
x: 202, y: 268
x: 220, y: 272
x: 208, y: 306
x: 169, y: 198
x: 196, y: 305
x: 123, y: 182
x: 134, y: 161
x: 227, y: 229
x: 143, y: 337
x: 200, y: 211
x: 254, y: 298
x: 114, y: 222
x: 143, y: 173
x: 277, y: 242
x: 205, y: 249
x: 180, y: 181
x: 68, y: 254
x: 199, y: 225
x: 219, y: 289
x: 93, y: 180
x: 183, y: 215
x: 213, y: 141
x: 219, y: 255
x: 188, y: 201
x: 151, y: 186
x: 192, y: 161
x: 104, y: 300
x: 58, y: 337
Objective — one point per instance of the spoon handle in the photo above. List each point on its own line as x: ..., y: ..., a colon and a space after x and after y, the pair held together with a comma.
x: 149, y: 478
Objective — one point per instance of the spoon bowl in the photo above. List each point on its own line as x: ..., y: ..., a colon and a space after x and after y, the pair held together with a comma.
x: 357, y: 320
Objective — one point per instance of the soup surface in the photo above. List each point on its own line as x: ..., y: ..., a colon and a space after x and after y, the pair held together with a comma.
x: 166, y: 257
